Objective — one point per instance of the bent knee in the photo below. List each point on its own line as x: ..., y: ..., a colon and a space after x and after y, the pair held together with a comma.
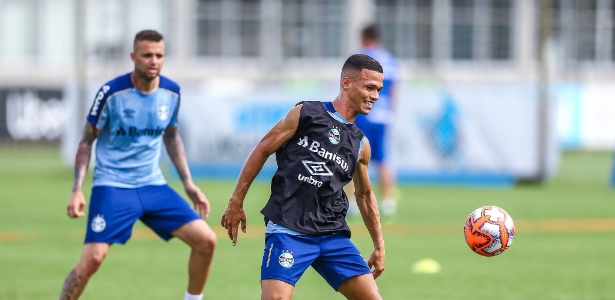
x: 208, y: 240
x: 205, y: 241
x: 91, y: 262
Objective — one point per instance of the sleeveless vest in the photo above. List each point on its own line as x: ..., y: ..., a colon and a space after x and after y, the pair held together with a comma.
x: 307, y: 192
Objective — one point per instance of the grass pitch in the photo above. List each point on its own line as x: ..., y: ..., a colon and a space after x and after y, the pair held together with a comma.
x: 562, y: 250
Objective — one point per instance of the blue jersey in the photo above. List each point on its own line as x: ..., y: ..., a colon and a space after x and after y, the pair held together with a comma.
x: 132, y: 123
x: 381, y: 113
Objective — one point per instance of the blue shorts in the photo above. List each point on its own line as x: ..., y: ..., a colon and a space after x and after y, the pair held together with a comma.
x: 114, y: 211
x: 377, y: 135
x: 333, y: 256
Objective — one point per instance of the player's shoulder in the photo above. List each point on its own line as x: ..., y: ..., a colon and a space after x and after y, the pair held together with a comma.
x: 309, y: 103
x: 169, y: 84
x: 118, y: 83
x: 112, y: 87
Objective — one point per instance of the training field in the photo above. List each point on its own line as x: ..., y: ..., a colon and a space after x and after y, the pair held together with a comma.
x: 564, y: 247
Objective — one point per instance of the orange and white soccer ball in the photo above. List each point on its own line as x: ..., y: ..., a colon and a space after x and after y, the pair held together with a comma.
x: 489, y: 230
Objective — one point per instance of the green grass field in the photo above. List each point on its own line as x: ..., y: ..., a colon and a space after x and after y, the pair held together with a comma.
x: 563, y: 248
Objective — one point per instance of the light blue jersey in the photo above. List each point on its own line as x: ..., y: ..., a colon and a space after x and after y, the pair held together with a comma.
x: 132, y: 123
x: 381, y: 113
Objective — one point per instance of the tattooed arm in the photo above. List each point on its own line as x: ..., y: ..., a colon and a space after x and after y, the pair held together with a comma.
x: 76, y: 203
x: 175, y: 147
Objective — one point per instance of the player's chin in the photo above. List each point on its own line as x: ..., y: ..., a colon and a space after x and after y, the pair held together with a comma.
x: 365, y: 110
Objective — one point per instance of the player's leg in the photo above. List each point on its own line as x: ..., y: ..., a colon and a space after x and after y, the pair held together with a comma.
x: 378, y: 140
x: 388, y: 205
x: 272, y: 289
x: 362, y: 287
x: 92, y: 257
x: 285, y: 259
x: 340, y: 263
x: 111, y: 215
x: 202, y: 241
x: 169, y: 215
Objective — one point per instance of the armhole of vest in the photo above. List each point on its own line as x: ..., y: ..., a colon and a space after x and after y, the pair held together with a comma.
x: 296, y: 134
x: 361, y: 144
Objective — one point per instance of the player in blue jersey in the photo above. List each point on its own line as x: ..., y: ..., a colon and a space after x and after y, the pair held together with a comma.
x: 131, y: 118
x: 318, y: 151
x: 376, y: 125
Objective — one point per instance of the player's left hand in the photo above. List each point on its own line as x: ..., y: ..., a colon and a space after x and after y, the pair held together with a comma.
x: 376, y: 262
x: 201, y: 204
x: 231, y: 218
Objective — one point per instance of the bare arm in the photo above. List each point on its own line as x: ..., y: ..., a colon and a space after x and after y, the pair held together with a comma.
x: 175, y: 148
x: 76, y: 203
x: 279, y: 134
x: 368, y: 206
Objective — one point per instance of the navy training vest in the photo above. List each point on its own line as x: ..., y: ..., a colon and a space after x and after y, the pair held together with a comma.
x: 307, y: 192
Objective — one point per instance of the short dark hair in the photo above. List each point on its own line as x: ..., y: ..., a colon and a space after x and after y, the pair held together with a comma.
x: 371, y: 32
x: 358, y: 62
x: 147, y: 35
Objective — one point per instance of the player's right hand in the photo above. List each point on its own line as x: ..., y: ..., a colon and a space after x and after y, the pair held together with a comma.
x: 76, y: 205
x: 232, y: 216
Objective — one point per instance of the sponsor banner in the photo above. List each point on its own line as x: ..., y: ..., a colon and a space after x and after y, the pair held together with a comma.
x: 455, y: 133
x: 32, y: 114
x: 469, y: 130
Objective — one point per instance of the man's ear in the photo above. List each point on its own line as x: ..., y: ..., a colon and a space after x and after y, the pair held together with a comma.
x: 346, y: 83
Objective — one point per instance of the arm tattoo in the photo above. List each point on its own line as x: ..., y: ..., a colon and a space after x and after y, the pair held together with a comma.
x: 84, y: 153
x: 175, y: 148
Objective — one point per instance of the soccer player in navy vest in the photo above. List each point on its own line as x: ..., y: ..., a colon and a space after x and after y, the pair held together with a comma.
x: 318, y: 151
x: 131, y: 118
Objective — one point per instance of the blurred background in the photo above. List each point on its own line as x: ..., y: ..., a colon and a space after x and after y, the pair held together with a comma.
x: 492, y: 91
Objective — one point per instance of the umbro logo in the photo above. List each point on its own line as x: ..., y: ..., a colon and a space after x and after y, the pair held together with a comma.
x: 129, y: 113
x: 317, y: 168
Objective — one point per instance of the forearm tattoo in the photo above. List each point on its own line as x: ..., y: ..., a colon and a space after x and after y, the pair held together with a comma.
x: 84, y: 154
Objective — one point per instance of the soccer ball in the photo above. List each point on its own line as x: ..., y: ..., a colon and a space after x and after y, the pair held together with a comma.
x: 489, y: 230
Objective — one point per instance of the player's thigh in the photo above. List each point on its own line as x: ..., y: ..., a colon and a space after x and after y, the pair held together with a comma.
x: 339, y: 260
x: 165, y: 211
x: 286, y: 256
x: 111, y: 215
x: 276, y: 289
x: 362, y: 287
x: 196, y: 233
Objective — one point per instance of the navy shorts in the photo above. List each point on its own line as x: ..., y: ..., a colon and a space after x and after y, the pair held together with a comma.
x: 114, y: 211
x: 333, y: 256
x: 377, y: 136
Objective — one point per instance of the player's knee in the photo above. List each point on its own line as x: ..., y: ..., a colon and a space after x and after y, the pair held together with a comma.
x: 210, y: 241
x: 91, y: 263
x: 275, y: 295
x: 207, y: 243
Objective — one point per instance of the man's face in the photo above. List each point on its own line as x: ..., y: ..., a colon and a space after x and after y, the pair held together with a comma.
x: 148, y: 57
x: 363, y: 89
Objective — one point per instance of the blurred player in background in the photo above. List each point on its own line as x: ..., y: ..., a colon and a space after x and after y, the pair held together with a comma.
x: 376, y: 124
x: 318, y: 151
x: 131, y: 117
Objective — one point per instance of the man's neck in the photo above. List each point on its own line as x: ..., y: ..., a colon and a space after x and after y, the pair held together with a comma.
x: 341, y: 107
x: 144, y: 85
